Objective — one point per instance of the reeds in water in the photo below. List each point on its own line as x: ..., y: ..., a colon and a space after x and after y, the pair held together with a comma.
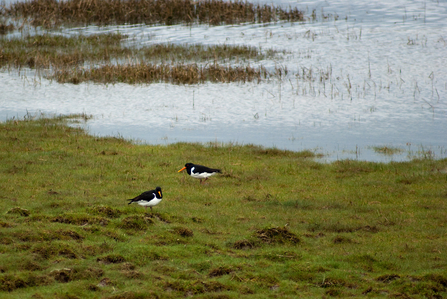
x: 6, y: 28
x: 45, y: 51
x: 75, y: 60
x: 144, y: 73
x: 53, y: 13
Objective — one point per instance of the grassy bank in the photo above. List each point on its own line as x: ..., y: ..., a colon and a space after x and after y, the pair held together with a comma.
x: 274, y: 224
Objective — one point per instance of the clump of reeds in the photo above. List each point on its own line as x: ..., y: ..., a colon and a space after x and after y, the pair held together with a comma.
x: 200, y: 52
x: 142, y: 73
x: 51, y: 13
x: 4, y: 28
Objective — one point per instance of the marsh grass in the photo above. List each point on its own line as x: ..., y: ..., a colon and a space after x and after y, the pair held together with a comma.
x: 150, y: 73
x: 275, y: 223
x: 52, y: 13
x: 75, y: 60
x: 48, y: 50
x: 5, y: 28
x: 199, y: 52
x: 59, y: 51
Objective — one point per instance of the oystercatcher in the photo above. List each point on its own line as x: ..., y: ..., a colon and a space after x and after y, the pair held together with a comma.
x: 149, y: 198
x: 199, y: 171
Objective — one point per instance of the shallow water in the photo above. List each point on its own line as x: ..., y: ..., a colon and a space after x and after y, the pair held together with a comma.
x: 386, y: 86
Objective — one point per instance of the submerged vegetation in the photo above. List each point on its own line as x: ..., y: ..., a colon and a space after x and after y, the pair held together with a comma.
x: 274, y: 224
x: 53, y: 13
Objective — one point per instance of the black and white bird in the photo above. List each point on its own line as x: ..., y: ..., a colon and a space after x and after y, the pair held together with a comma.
x: 149, y: 198
x: 199, y: 171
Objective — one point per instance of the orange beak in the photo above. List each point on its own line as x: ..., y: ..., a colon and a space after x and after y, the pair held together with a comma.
x: 159, y: 193
x: 182, y: 169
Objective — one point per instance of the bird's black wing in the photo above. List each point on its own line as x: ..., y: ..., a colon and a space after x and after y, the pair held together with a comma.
x: 201, y: 169
x: 145, y: 196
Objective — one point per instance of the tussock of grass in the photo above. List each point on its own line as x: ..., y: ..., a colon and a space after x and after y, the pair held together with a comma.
x: 274, y: 223
x: 52, y: 13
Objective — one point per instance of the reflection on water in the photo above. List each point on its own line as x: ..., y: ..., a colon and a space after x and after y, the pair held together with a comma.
x: 374, y: 77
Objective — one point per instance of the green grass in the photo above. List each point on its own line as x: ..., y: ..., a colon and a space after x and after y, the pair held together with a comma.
x: 274, y: 224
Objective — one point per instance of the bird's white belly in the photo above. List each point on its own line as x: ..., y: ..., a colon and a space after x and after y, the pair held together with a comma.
x: 202, y: 175
x: 151, y: 203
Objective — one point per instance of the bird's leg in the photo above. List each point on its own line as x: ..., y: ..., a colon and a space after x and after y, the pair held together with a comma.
x: 151, y: 210
x: 203, y: 181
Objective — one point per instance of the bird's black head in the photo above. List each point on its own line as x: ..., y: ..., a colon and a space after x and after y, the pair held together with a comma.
x: 188, y: 167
